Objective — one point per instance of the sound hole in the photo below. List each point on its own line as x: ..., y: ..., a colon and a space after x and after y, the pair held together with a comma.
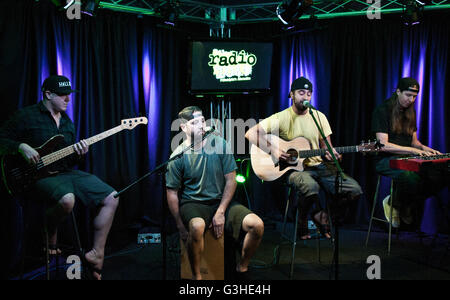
x: 293, y: 156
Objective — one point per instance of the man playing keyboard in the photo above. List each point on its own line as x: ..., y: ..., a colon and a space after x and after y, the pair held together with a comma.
x: 394, y: 124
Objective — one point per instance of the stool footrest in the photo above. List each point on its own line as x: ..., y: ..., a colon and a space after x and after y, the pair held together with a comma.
x: 381, y: 220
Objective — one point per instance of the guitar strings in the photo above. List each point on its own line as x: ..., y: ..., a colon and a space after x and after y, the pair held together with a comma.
x: 43, y: 162
x: 53, y: 157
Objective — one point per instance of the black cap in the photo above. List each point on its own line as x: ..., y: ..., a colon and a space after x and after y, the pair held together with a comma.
x: 301, y: 84
x: 409, y: 84
x: 57, y: 84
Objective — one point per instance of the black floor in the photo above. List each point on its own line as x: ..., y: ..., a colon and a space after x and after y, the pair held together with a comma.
x: 412, y: 257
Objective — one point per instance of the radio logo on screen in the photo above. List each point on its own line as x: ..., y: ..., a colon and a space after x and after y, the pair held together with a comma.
x: 230, y: 66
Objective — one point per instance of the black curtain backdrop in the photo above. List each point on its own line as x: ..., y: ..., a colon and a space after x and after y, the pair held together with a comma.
x: 125, y: 66
x: 103, y: 57
x: 355, y: 64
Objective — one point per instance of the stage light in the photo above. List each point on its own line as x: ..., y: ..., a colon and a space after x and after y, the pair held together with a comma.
x: 290, y: 10
x: 412, y: 12
x: 240, y: 178
x: 169, y: 11
x: 89, y: 7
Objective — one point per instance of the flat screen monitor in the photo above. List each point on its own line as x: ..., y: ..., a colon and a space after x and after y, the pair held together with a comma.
x: 230, y: 67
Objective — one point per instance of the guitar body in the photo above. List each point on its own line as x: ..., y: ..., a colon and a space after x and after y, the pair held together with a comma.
x: 18, y: 175
x: 267, y: 168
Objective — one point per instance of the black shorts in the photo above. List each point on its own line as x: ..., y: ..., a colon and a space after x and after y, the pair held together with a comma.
x: 86, y: 187
x: 234, y: 215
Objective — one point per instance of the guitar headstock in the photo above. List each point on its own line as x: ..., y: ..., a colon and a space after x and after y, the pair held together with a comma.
x: 132, y: 123
x: 374, y: 146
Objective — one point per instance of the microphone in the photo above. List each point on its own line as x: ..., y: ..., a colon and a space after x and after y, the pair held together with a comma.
x: 307, y: 104
x: 209, y: 130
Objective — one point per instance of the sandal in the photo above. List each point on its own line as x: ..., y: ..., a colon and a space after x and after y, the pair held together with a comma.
x: 324, y: 229
x: 53, y: 250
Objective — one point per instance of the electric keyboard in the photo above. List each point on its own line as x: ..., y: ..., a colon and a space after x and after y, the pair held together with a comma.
x: 420, y: 163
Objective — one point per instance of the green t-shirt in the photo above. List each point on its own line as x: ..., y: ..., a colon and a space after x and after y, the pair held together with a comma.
x: 289, y: 126
x: 201, y: 174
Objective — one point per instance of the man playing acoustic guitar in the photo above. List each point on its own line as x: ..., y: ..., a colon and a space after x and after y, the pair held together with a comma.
x: 34, y: 125
x: 292, y: 123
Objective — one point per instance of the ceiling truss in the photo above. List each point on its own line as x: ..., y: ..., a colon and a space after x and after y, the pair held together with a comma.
x: 199, y: 11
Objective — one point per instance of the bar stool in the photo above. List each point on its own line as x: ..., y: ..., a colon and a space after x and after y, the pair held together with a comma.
x: 77, y: 241
x: 372, y: 218
x: 294, y: 239
x: 47, y: 245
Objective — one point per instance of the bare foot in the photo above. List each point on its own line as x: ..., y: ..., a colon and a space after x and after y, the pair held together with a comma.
x: 305, y: 237
x: 321, y: 220
x: 303, y: 231
x: 96, y: 260
x: 198, y: 277
x: 241, y: 269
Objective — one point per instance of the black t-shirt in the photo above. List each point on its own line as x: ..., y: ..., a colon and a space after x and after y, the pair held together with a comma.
x: 34, y: 125
x: 381, y: 122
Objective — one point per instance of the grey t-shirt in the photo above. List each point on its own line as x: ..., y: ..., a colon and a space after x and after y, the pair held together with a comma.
x: 200, y: 174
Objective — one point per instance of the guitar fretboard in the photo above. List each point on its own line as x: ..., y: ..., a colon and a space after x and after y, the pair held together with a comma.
x: 320, y: 152
x: 60, y: 154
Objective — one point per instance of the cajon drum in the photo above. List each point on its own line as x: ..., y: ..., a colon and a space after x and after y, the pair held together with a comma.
x: 212, y: 261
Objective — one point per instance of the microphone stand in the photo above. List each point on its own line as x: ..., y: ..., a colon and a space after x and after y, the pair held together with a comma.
x: 162, y: 169
x: 340, y: 176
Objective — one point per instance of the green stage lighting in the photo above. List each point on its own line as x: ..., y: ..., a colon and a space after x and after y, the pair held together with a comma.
x: 240, y: 178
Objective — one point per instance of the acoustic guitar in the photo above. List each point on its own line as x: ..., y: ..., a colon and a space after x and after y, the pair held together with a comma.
x: 268, y: 168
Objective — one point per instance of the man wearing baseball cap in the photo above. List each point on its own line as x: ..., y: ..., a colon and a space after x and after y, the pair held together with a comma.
x: 30, y: 128
x: 294, y: 122
x: 394, y: 124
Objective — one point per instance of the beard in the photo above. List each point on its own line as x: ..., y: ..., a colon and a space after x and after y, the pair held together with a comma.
x: 299, y: 105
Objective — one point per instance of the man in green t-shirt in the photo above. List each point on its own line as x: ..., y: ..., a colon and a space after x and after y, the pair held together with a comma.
x: 394, y: 124
x: 205, y: 175
x: 293, y: 122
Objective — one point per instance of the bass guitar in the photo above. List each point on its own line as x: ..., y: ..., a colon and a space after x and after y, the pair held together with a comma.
x: 18, y: 175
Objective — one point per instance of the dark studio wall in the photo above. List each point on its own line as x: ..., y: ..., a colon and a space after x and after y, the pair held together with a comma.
x: 125, y: 66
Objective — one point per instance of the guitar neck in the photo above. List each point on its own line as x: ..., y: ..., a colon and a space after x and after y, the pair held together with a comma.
x: 320, y: 152
x: 69, y: 150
